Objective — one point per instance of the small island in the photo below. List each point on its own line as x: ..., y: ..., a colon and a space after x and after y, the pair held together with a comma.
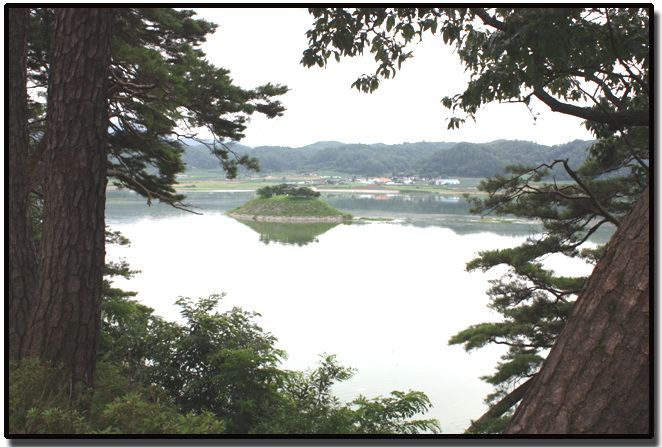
x: 284, y: 203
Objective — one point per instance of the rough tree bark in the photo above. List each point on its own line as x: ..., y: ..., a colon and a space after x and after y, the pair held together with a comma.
x: 21, y: 255
x: 596, y: 377
x: 65, y: 317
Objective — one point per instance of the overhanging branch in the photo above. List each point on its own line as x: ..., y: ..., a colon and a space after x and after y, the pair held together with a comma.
x: 150, y: 194
x: 614, y: 119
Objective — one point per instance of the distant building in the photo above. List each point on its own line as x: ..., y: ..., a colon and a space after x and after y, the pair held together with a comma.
x: 447, y: 181
x: 381, y: 180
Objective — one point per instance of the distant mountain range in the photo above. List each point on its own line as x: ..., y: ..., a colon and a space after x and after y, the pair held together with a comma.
x: 428, y: 159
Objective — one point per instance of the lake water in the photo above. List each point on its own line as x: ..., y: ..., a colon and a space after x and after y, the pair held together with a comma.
x: 384, y: 297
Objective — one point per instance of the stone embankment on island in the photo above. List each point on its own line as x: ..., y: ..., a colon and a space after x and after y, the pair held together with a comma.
x: 292, y: 219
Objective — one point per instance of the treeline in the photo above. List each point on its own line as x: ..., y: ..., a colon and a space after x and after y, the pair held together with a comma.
x: 428, y: 159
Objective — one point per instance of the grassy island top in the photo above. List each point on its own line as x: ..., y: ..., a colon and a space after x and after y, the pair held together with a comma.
x: 285, y: 201
x: 288, y: 206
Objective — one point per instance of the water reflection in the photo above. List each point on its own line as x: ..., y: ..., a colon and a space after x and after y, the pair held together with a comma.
x: 416, y: 209
x: 436, y: 210
x: 289, y: 233
x: 126, y: 206
x: 408, y: 204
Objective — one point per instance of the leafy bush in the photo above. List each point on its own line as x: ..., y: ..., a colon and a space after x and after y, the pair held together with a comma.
x: 37, y: 405
x: 216, y: 374
x: 226, y: 365
x: 311, y: 408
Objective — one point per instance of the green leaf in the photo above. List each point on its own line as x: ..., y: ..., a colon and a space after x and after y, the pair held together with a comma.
x: 390, y: 22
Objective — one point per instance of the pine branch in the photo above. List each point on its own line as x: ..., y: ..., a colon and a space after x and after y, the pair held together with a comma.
x: 594, y: 199
x: 149, y: 193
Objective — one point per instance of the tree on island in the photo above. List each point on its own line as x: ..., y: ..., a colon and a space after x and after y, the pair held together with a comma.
x: 285, y: 189
x: 565, y: 58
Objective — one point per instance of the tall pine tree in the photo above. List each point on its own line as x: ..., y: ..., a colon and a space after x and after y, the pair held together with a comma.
x: 122, y: 87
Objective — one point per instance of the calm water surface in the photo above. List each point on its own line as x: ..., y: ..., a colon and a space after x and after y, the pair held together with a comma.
x: 384, y: 297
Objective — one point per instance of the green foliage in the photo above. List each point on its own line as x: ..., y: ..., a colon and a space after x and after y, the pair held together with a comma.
x: 565, y: 58
x: 284, y: 189
x: 390, y: 415
x: 135, y: 414
x: 489, y: 426
x: 536, y: 303
x: 303, y: 193
x: 116, y: 268
x: 288, y: 206
x: 218, y: 363
x: 311, y: 408
x: 515, y: 54
x: 282, y: 159
x: 370, y: 160
x: 38, y: 401
x: 221, y: 363
x: 557, y: 55
x: 270, y: 191
x: 162, y: 89
x: 38, y: 405
x: 218, y: 373
x: 123, y: 405
x: 301, y: 233
x: 359, y: 159
x: 198, y: 155
x: 488, y: 159
x: 125, y: 337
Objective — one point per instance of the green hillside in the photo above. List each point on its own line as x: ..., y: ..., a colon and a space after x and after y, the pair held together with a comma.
x: 488, y: 159
x: 428, y: 159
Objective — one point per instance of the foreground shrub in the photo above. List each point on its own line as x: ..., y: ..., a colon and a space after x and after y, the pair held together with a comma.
x: 39, y: 404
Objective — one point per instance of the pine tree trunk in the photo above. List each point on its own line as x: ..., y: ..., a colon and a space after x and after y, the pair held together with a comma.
x: 596, y: 377
x: 66, y: 315
x: 21, y: 254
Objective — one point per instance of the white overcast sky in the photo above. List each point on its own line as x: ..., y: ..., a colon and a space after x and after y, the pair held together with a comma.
x: 260, y: 45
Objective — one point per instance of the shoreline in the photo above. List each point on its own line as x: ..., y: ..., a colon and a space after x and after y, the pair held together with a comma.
x: 247, y: 188
x: 291, y: 219
x: 359, y: 191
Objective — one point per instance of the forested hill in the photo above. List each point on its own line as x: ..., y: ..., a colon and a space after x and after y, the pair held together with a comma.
x: 428, y: 159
